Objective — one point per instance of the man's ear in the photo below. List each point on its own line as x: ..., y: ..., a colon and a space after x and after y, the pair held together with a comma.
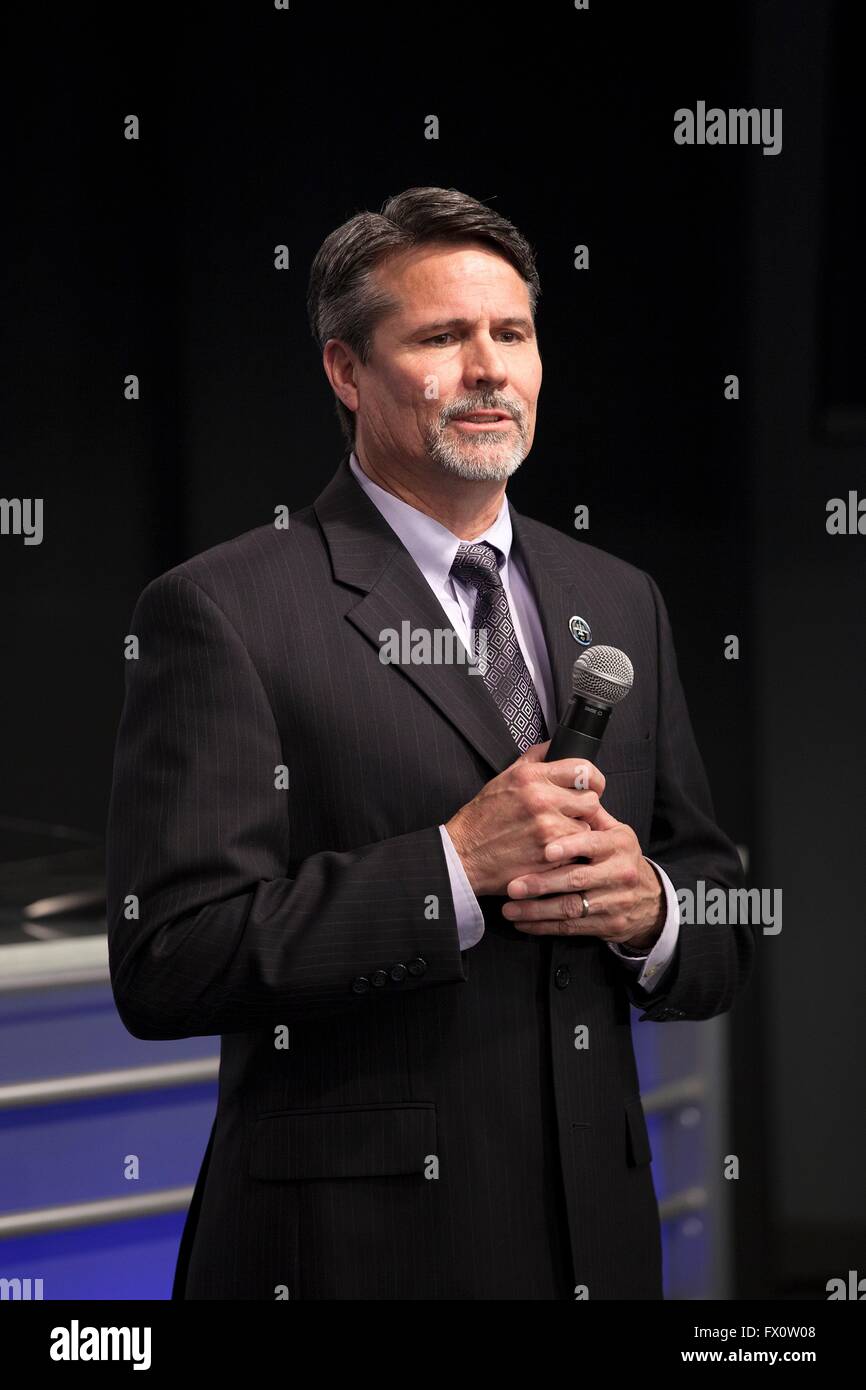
x: 340, y: 368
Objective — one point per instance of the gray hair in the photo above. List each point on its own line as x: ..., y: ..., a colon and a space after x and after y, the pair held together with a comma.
x: 343, y: 300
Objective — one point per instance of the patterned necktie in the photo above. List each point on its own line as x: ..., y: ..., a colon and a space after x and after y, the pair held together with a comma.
x: 506, y: 675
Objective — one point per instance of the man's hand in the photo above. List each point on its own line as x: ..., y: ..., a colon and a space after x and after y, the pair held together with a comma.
x: 503, y: 832
x: 626, y: 899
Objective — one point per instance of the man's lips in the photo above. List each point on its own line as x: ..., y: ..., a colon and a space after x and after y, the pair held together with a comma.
x: 485, y: 420
x: 484, y: 415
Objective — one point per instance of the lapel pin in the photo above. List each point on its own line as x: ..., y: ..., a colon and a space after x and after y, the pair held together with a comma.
x: 580, y: 630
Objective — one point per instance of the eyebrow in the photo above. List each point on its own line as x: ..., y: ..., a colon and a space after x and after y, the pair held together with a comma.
x: 440, y: 324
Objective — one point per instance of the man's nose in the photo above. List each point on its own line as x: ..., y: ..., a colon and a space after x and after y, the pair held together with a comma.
x: 484, y: 361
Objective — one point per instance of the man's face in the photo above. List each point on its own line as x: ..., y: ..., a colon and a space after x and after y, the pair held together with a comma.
x: 461, y: 341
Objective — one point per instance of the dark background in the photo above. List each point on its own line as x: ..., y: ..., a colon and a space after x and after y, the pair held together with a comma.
x: 156, y: 257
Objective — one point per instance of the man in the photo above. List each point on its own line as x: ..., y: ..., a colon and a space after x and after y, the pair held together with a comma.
x: 417, y: 940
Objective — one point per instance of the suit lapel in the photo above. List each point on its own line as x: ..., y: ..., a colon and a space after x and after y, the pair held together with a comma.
x: 566, y: 583
x: 367, y: 555
x: 557, y: 593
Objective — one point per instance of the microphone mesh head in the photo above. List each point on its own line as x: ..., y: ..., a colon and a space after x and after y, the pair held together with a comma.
x: 603, y: 673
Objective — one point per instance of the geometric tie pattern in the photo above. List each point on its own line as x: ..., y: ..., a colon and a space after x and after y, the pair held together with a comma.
x: 506, y: 675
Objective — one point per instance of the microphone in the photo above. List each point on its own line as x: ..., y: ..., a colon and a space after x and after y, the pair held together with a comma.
x: 600, y: 678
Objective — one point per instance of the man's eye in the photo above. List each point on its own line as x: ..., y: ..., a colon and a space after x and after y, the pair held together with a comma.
x: 508, y: 332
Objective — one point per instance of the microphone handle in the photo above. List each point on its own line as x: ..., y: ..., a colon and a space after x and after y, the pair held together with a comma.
x: 571, y: 743
x: 580, y: 730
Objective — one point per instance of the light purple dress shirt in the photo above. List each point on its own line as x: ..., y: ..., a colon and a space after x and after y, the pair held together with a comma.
x: 433, y: 549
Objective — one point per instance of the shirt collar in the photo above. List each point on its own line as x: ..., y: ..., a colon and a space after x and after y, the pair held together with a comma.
x: 431, y: 545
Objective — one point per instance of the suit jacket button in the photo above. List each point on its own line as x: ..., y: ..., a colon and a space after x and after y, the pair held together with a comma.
x: 562, y: 978
x: 398, y: 973
x: 379, y: 978
x: 417, y: 966
x: 360, y: 984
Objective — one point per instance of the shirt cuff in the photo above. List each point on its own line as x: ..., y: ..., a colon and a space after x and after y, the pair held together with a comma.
x: 653, y: 965
x: 470, y: 918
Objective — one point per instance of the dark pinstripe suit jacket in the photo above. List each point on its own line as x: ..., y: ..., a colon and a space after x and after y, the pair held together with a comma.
x: 437, y: 1135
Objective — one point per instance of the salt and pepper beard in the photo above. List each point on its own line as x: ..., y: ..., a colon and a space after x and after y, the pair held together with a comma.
x: 500, y: 459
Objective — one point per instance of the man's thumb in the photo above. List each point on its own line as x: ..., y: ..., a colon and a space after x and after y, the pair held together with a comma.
x: 602, y: 820
x: 535, y: 753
